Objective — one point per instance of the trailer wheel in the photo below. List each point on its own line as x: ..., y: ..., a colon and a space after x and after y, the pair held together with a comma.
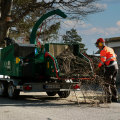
x: 51, y: 93
x: 64, y: 94
x: 3, y: 89
x: 12, y: 92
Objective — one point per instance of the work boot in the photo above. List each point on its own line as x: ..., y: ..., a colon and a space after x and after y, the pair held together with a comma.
x: 115, y: 100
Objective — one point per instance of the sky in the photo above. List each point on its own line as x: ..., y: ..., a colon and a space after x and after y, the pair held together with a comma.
x: 104, y: 24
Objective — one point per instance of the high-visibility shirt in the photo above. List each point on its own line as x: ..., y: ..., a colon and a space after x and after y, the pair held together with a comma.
x: 106, y: 55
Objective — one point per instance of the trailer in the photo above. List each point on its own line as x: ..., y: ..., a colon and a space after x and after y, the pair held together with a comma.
x: 32, y: 69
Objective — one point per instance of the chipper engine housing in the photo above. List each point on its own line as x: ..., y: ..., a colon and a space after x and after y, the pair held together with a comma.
x: 20, y: 60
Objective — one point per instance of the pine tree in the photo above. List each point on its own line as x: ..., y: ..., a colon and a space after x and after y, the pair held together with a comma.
x: 73, y: 37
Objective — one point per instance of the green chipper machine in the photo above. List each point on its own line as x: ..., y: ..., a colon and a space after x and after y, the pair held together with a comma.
x: 31, y: 69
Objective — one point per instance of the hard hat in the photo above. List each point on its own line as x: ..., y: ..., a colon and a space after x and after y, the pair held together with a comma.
x: 100, y: 42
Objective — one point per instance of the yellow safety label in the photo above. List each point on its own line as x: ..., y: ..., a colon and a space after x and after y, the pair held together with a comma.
x: 47, y: 64
x: 17, y: 60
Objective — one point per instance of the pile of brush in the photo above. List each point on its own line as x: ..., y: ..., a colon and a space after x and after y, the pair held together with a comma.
x: 73, y: 66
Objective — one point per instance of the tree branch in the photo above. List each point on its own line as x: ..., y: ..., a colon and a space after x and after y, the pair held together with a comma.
x: 26, y: 11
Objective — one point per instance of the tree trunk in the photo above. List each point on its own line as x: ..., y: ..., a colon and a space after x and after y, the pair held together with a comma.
x: 5, y: 12
x: 3, y: 34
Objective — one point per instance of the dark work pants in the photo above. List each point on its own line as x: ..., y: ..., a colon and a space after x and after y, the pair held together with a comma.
x: 110, y: 82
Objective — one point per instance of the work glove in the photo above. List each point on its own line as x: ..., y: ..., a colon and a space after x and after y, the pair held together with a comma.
x: 97, y: 70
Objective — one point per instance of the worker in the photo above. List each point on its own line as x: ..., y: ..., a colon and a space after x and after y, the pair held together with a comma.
x: 108, y: 60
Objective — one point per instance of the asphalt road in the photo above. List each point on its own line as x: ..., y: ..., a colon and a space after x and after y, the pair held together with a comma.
x: 38, y: 106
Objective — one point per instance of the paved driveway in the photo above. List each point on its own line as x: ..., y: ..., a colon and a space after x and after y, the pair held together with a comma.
x: 38, y: 106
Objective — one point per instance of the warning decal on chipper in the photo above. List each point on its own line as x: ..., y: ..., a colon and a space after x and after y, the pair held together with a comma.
x: 7, y: 64
x: 47, y: 64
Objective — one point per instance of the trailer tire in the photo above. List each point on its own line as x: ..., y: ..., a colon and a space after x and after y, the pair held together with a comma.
x: 3, y: 88
x: 12, y: 92
x: 63, y: 94
x: 51, y: 93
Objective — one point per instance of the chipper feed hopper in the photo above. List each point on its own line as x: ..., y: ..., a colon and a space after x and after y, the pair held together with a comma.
x: 32, y: 69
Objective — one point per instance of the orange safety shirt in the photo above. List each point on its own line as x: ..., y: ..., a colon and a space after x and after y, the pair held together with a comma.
x: 106, y: 55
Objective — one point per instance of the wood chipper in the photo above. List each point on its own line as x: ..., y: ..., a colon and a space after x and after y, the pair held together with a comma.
x: 32, y: 69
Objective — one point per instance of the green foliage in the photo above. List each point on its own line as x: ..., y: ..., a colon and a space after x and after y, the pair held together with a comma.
x: 73, y: 37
